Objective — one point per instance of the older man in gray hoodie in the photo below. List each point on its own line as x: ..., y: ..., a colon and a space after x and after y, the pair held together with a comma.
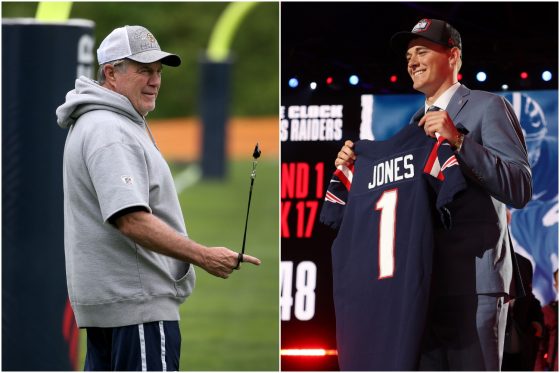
x: 129, y: 261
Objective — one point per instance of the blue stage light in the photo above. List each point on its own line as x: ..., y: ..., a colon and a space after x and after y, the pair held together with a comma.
x: 293, y: 82
x: 547, y: 76
x: 481, y: 76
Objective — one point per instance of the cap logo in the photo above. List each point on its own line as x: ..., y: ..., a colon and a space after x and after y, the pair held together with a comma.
x: 422, y: 25
x: 144, y: 40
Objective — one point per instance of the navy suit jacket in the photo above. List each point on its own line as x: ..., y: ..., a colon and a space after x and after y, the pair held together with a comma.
x: 475, y: 256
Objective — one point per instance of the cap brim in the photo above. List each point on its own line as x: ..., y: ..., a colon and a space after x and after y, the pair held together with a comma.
x: 156, y: 55
x: 399, y: 41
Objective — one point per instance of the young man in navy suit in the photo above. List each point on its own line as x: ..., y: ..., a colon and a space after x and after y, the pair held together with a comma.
x: 474, y: 275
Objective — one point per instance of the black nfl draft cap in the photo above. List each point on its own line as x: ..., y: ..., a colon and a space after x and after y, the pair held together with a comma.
x: 435, y: 30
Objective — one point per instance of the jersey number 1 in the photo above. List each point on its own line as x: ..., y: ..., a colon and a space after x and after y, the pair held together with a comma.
x: 387, y: 204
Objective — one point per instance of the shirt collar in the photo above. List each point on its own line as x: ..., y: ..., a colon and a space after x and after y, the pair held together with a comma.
x: 443, y: 100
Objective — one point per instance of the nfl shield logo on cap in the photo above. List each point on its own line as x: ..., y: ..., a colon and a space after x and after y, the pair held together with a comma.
x: 422, y: 25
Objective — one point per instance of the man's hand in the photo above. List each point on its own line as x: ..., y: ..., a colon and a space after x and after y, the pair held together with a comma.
x: 346, y: 155
x: 154, y: 234
x: 221, y: 261
x: 440, y: 121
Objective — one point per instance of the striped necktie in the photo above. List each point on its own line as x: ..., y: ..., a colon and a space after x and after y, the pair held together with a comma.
x: 433, y: 108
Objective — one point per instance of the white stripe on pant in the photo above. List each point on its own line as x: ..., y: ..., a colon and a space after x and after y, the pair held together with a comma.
x: 162, y: 336
x: 142, y: 347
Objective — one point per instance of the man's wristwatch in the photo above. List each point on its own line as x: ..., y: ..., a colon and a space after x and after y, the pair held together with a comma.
x: 458, y: 141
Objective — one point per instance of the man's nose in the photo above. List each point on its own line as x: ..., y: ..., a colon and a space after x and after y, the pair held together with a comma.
x: 155, y: 79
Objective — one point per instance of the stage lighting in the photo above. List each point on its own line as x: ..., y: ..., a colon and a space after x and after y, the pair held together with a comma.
x: 293, y: 83
x: 354, y: 80
x: 459, y: 76
x: 329, y: 80
x: 393, y: 78
x: 547, y: 76
x: 505, y: 87
x: 524, y: 75
x: 481, y: 76
x: 313, y: 85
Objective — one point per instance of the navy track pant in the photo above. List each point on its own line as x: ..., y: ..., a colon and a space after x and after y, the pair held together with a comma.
x: 153, y: 346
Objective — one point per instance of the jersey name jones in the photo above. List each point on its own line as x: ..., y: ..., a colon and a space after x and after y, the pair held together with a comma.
x: 392, y: 170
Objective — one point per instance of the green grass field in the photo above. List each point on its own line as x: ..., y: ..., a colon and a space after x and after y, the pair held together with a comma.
x: 233, y: 324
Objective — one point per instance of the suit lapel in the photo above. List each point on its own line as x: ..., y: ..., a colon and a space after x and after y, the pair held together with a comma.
x: 455, y: 105
x: 458, y: 101
x: 417, y: 116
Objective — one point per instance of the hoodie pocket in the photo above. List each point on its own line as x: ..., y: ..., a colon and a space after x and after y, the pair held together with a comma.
x: 185, y: 285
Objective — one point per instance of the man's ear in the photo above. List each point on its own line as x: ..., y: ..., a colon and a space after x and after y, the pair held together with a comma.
x: 109, y: 71
x: 455, y: 57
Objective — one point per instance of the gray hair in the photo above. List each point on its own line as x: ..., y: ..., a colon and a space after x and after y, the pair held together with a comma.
x: 119, y: 65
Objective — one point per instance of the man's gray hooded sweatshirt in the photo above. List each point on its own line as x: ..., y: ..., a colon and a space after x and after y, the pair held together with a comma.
x: 110, y: 164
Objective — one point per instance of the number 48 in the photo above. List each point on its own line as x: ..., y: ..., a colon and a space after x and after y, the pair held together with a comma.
x: 306, y: 281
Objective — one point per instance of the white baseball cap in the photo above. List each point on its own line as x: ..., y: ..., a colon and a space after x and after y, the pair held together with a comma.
x: 135, y: 43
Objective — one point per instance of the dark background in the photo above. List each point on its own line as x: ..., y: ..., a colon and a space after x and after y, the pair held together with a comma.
x: 340, y: 39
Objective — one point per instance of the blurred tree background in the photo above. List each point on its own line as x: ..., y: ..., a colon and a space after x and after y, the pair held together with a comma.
x: 233, y: 325
x: 185, y: 28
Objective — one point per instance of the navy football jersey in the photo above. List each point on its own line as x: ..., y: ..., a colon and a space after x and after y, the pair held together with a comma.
x: 387, y: 206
